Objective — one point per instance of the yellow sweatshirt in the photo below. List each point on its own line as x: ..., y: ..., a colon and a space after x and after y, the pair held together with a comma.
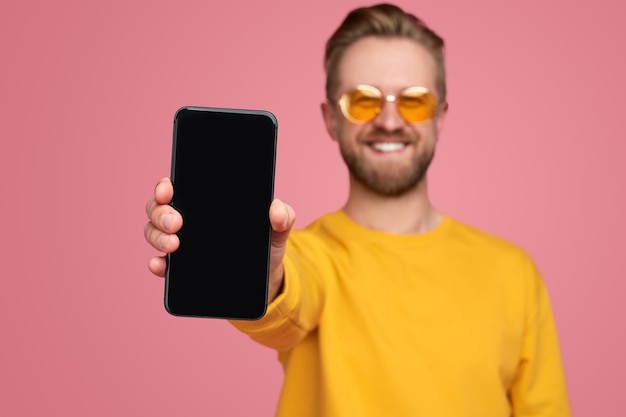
x: 450, y: 323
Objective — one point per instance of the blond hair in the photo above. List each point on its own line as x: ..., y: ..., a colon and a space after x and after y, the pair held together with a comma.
x: 384, y: 20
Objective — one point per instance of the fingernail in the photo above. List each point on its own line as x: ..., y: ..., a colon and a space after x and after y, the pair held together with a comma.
x: 163, y: 241
x: 166, y: 220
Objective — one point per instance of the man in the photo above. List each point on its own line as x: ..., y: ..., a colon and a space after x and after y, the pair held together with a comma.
x: 388, y: 307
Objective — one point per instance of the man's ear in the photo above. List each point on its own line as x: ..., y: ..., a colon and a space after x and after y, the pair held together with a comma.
x: 441, y: 115
x: 330, y: 120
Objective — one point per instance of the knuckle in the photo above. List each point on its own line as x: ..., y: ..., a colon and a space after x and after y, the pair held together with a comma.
x: 150, y: 206
x: 146, y: 230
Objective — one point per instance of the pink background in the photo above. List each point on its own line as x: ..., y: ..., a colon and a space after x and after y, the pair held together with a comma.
x: 532, y: 151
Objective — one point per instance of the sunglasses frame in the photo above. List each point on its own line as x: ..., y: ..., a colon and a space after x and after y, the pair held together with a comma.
x: 389, y: 98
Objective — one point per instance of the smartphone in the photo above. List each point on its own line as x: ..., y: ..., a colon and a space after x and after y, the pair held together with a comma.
x: 222, y: 170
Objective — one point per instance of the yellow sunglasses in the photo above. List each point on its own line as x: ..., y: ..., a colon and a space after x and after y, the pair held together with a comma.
x: 362, y: 104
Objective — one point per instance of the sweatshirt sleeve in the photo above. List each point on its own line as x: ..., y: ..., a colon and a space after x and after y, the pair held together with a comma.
x: 539, y: 389
x: 295, y: 311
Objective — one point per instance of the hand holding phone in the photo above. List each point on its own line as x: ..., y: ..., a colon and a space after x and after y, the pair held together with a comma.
x: 223, y: 164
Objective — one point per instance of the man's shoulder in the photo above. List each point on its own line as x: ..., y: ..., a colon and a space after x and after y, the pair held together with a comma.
x: 330, y: 220
x: 489, y: 248
x: 473, y: 236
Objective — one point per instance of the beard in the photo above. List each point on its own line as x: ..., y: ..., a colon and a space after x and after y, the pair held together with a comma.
x: 388, y: 181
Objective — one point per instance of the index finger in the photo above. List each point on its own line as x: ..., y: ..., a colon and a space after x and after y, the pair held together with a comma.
x: 164, y: 191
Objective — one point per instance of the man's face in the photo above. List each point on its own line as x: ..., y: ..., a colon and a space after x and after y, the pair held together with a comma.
x: 387, y: 155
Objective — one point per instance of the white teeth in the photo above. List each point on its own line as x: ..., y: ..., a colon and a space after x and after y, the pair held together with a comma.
x: 388, y: 146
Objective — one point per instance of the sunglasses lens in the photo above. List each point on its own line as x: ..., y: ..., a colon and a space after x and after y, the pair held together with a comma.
x: 361, y: 105
x: 417, y: 105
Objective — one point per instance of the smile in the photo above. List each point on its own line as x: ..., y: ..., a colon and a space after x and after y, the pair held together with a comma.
x: 388, y: 146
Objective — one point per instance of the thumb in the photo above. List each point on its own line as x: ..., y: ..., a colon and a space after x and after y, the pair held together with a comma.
x: 282, y: 217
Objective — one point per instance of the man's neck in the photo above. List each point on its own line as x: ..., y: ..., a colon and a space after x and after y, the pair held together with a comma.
x: 409, y: 213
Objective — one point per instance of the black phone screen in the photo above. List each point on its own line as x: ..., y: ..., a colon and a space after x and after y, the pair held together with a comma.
x: 223, y: 164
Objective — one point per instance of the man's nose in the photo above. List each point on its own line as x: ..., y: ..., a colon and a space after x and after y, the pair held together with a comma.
x: 389, y: 118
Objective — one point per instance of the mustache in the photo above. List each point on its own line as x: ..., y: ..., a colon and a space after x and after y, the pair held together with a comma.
x: 381, y: 135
